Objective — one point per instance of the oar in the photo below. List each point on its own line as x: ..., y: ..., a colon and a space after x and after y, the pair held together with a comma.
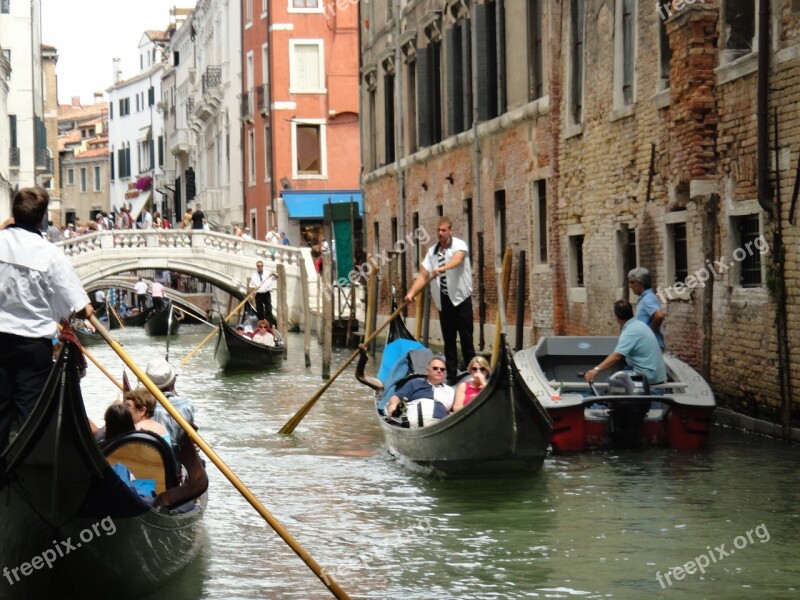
x: 116, y: 316
x: 210, y: 335
x: 103, y: 369
x: 292, y: 423
x: 337, y: 591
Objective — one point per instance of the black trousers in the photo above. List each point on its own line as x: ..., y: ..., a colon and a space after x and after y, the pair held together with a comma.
x: 158, y: 302
x: 25, y: 364
x: 456, y: 321
x: 141, y: 300
x: 264, y: 306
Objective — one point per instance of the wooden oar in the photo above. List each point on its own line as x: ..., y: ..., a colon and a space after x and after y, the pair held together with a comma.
x: 323, y: 576
x: 116, y: 316
x: 503, y: 286
x: 210, y: 335
x: 103, y: 369
x: 292, y: 423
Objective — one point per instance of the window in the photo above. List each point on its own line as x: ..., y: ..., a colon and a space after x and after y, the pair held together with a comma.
x: 251, y: 157
x: 459, y: 77
x: 307, y: 74
x: 249, y: 82
x: 176, y: 57
x: 664, y: 54
x: 678, y: 266
x: 575, y: 88
x: 411, y: 105
x: 739, y: 27
x: 372, y: 144
x: 111, y: 111
x: 415, y: 226
x: 97, y: 179
x: 124, y: 161
x: 500, y: 221
x: 83, y: 179
x: 748, y: 245
x: 267, y: 155
x: 376, y: 238
x: 624, y: 53
x: 304, y: 5
x: 151, y: 96
x: 429, y: 94
x: 124, y: 107
x: 535, y: 50
x: 626, y: 253
x: 388, y: 117
x: 7, y: 54
x: 70, y: 176
x: 309, y: 153
x: 491, y: 93
x: 576, y: 260
x: 540, y: 225
x: 248, y: 11
x: 264, y: 7
x: 5, y: 6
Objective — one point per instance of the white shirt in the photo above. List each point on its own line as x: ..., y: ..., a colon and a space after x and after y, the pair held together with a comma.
x: 38, y: 285
x: 459, y: 279
x: 147, y: 220
x: 265, y: 338
x: 273, y: 237
x: 444, y: 394
x: 262, y: 281
x: 99, y: 296
x: 140, y: 287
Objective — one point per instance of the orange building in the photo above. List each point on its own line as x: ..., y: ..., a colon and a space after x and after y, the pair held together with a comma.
x: 299, y: 114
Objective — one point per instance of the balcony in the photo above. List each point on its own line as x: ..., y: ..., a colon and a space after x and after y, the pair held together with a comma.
x: 262, y: 99
x: 212, y: 78
x: 44, y: 163
x: 13, y: 156
x: 180, y: 142
x: 246, y: 101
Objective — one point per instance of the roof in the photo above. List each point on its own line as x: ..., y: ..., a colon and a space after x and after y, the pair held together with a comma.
x: 93, y: 153
x: 157, y: 35
x: 73, y: 137
x: 67, y: 112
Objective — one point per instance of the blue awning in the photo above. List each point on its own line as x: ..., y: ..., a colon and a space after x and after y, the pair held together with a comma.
x: 309, y: 204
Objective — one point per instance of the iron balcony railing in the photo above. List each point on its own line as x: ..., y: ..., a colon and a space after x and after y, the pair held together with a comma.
x: 247, y: 105
x: 212, y: 78
x: 43, y: 160
x: 13, y: 156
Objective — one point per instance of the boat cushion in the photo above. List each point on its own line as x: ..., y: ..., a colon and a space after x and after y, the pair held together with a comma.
x: 146, y: 455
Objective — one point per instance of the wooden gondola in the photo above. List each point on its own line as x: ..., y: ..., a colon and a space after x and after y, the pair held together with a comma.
x: 504, y: 429
x: 66, y: 513
x: 135, y: 320
x: 237, y: 352
x: 162, y: 322
x: 86, y: 336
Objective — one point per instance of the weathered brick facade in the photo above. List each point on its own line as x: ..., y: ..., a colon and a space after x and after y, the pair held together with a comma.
x: 645, y: 162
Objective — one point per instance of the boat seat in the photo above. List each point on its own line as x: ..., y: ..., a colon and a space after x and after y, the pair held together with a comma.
x: 146, y: 455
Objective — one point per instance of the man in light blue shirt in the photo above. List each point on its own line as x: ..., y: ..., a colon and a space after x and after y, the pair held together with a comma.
x: 637, y: 346
x: 648, y: 309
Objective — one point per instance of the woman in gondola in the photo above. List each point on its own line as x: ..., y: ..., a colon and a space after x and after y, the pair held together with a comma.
x: 465, y: 392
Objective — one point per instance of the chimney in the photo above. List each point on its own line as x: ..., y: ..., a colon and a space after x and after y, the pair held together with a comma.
x: 117, y: 72
x: 76, y: 102
x: 98, y: 97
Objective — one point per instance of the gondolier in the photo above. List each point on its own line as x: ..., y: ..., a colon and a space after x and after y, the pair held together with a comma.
x: 38, y: 287
x: 262, y: 282
x: 448, y: 263
x: 141, y: 294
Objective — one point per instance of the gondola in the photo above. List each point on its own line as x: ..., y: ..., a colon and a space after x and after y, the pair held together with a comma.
x: 503, y: 430
x: 237, y: 352
x: 69, y: 526
x: 162, y: 322
x: 135, y: 320
x: 86, y: 336
x: 621, y: 410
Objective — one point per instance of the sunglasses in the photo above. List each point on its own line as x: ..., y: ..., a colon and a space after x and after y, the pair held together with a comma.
x: 475, y: 369
x: 438, y: 368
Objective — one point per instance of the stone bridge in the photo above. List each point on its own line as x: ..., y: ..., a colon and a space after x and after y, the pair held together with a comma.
x: 225, y: 261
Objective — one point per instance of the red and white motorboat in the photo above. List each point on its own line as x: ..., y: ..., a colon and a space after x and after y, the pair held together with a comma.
x: 620, y: 409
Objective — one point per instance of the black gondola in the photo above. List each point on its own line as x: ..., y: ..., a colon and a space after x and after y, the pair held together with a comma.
x: 162, y: 322
x: 238, y: 352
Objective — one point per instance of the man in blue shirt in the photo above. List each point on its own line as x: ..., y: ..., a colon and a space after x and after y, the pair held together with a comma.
x: 432, y: 388
x: 648, y: 309
x: 637, y: 346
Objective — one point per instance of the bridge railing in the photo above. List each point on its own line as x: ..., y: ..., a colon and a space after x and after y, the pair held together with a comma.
x: 135, y: 239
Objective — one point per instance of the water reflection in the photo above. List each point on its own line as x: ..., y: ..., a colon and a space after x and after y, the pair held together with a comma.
x: 595, y: 525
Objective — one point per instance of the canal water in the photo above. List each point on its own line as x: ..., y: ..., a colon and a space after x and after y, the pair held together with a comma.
x: 600, y: 525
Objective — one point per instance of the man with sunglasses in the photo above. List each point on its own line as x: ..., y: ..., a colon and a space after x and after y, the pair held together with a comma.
x: 428, y: 399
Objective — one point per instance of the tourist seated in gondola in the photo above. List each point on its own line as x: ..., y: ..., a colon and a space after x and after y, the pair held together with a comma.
x: 264, y: 334
x: 164, y: 377
x: 119, y: 421
x: 427, y: 400
x: 465, y: 392
x: 142, y: 405
x: 240, y: 330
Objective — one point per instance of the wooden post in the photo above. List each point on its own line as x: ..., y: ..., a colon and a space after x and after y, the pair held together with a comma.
x: 306, y: 312
x: 418, y: 316
x: 372, y: 307
x: 426, y: 315
x: 327, y: 319
x: 283, y: 305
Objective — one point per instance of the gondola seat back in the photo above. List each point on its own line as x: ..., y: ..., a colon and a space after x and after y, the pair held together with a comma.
x: 146, y: 455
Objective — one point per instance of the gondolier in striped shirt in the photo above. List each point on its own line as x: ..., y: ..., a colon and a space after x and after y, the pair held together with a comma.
x: 447, y: 262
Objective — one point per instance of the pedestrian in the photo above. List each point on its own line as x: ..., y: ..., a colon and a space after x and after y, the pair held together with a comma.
x: 147, y: 219
x: 262, y: 282
x: 198, y: 217
x: 38, y: 287
x: 273, y: 237
x: 447, y: 262
x: 648, y: 308
x: 284, y: 239
x: 246, y: 235
x: 637, y: 346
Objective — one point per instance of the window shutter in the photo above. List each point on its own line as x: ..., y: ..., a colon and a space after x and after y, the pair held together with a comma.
x: 485, y: 85
x: 453, y: 81
x: 423, y: 116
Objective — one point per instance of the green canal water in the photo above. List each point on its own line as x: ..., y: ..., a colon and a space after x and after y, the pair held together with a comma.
x: 601, y: 525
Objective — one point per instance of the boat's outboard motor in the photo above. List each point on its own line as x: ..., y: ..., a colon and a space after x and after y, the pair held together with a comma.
x: 627, y: 414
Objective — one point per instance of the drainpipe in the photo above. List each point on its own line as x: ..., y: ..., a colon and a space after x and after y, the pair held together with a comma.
x: 398, y: 138
x: 762, y: 110
x: 476, y: 178
x: 271, y: 114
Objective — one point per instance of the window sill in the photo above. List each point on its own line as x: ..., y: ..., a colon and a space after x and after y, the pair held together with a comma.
x: 308, y: 176
x: 306, y: 92
x: 571, y: 131
x: 542, y: 268
x: 577, y: 295
x: 749, y: 295
x: 736, y: 69
x: 661, y: 99
x: 622, y: 112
